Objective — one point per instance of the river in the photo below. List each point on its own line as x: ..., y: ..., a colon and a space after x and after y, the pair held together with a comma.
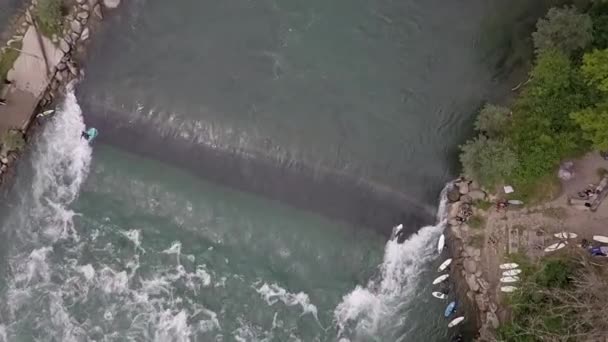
x: 246, y: 148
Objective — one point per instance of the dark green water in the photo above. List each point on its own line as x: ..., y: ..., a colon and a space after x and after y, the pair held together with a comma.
x: 321, y: 110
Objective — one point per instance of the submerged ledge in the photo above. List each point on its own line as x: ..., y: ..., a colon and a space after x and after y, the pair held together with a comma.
x: 329, y: 194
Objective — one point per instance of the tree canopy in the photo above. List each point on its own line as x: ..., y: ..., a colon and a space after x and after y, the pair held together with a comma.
x: 595, y: 69
x: 492, y: 120
x: 488, y: 161
x: 594, y: 123
x: 563, y: 29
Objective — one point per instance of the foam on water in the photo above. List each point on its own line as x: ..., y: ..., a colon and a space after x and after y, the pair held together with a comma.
x: 54, y: 295
x: 273, y: 293
x: 366, y: 310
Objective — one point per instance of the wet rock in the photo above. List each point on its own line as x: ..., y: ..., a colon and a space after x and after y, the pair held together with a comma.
x: 472, y: 251
x: 493, y: 307
x: 111, y: 3
x: 84, y: 21
x: 74, y: 36
x: 466, y: 199
x: 80, y: 2
x: 478, y: 273
x: 54, y: 84
x: 97, y: 12
x: 4, y: 160
x: 83, y: 15
x: 76, y: 26
x: 463, y: 187
x: 453, y: 194
x: 64, y: 46
x: 472, y: 282
x: 59, y: 77
x: 454, y: 207
x: 73, y: 69
x: 470, y: 266
x: 492, y: 320
x: 85, y: 34
x: 28, y: 17
x: 456, y: 232
x: 4, y: 167
x: 477, y: 195
x: 482, y: 302
x: 483, y: 284
x: 453, y: 223
x: 65, y: 74
x: 85, y: 7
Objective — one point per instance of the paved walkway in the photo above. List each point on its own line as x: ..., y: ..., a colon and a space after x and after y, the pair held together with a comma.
x: 30, y: 78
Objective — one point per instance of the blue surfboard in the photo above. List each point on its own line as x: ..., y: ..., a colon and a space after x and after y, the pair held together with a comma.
x: 91, y: 133
x: 449, y: 310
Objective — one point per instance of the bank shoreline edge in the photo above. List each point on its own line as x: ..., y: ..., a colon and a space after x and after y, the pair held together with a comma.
x: 59, y: 60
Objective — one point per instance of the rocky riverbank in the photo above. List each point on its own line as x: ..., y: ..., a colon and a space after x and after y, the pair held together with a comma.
x: 469, y: 271
x: 42, y: 66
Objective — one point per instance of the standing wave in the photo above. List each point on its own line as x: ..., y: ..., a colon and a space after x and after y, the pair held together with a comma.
x: 367, y: 311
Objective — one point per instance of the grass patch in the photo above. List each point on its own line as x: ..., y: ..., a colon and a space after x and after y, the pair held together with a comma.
x: 49, y: 16
x: 476, y: 222
x: 7, y: 60
x: 11, y: 140
x: 482, y: 204
x: 545, y: 189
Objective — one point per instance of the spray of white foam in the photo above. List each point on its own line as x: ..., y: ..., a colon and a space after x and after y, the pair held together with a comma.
x: 273, y: 293
x: 365, y: 310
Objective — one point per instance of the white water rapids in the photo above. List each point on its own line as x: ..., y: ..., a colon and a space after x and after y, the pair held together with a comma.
x: 69, y: 283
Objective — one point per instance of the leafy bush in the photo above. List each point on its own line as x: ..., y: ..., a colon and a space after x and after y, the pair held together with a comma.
x: 49, y: 16
x: 11, y: 140
x: 488, y: 161
x: 492, y: 120
x: 542, y: 132
x: 563, y: 29
x: 595, y: 69
x: 594, y: 123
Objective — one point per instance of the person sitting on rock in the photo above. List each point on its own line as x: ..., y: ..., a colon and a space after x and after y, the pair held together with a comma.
x: 85, y: 135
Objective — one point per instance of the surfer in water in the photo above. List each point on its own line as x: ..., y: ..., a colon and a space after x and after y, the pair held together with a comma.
x: 89, y: 134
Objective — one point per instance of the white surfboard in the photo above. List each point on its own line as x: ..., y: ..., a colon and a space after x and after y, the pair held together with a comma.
x: 439, y: 295
x: 600, y: 238
x: 444, y: 265
x: 512, y: 272
x: 455, y: 321
x: 440, y: 243
x: 512, y: 279
x: 508, y: 288
x: 565, y: 235
x: 508, y: 266
x: 440, y: 279
x: 556, y: 246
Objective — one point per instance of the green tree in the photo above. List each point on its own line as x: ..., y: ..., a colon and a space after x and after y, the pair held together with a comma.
x: 492, y: 120
x: 486, y: 160
x: 542, y: 132
x: 595, y: 69
x: 594, y: 123
x: 563, y: 29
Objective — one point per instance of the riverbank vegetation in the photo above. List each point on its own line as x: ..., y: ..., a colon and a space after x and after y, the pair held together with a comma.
x: 560, y: 112
x: 49, y: 17
x: 561, y: 299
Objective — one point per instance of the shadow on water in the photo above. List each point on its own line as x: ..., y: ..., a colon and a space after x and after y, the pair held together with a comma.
x: 332, y: 195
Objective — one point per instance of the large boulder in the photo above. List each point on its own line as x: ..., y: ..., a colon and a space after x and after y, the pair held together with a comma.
x: 111, y: 3
x: 470, y: 266
x: 454, y: 208
x: 472, y: 282
x: 482, y: 302
x: 477, y: 195
x: 76, y: 26
x: 492, y: 319
x: 453, y: 194
x: 97, y: 12
x: 463, y: 187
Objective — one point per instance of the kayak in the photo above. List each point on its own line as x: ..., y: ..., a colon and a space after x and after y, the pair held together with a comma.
x: 449, y: 310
